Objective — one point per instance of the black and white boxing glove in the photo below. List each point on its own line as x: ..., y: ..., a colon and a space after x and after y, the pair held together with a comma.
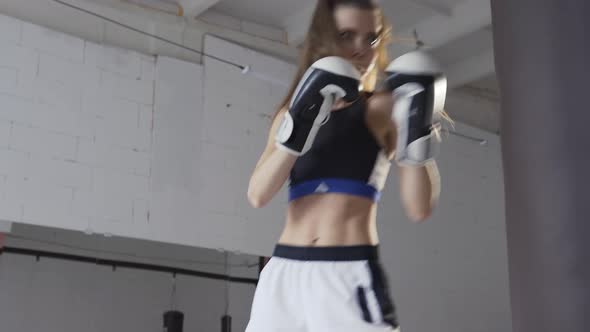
x: 419, y: 89
x: 327, y: 80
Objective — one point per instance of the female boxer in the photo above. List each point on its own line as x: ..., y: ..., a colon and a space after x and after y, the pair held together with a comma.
x: 334, y: 139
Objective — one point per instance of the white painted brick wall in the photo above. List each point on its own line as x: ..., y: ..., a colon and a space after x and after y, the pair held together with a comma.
x: 62, y: 121
x: 25, y: 62
x: 5, y: 130
x: 461, y: 102
x: 48, y: 41
x: 43, y: 142
x: 59, y: 173
x: 148, y: 69
x: 114, y: 60
x: 55, y: 94
x: 243, y: 108
x: 43, y: 204
x: 126, y: 88
x: 13, y: 162
x: 8, y: 78
x: 119, y: 125
x: 70, y: 74
x: 113, y: 157
x: 16, y: 109
x: 177, y: 159
x: 96, y: 103
x: 84, y: 204
x: 116, y: 192
x: 10, y: 29
x: 10, y: 210
x: 76, y: 129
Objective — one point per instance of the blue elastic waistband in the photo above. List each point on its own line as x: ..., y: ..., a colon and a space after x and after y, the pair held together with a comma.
x: 320, y: 186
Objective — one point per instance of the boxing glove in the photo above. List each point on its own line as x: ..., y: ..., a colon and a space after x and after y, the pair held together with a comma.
x: 419, y: 89
x: 327, y: 80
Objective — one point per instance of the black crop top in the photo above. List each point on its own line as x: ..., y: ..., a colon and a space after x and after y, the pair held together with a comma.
x: 345, y: 158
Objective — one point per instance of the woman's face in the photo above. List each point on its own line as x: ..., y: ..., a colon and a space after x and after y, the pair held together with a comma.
x: 357, y: 35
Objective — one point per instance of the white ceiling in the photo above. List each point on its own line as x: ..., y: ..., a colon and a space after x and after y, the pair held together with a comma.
x: 474, y: 43
x: 401, y: 13
x: 267, y: 12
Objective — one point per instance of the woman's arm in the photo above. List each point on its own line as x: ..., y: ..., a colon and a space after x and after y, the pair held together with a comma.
x: 419, y: 190
x: 419, y: 186
x: 271, y: 171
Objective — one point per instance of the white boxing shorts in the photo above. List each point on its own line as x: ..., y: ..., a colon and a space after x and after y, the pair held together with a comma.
x: 323, y: 289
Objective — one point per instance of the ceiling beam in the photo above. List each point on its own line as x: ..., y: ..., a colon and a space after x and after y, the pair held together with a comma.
x: 433, y: 6
x: 194, y: 8
x: 467, y: 17
x: 297, y: 24
x: 471, y: 69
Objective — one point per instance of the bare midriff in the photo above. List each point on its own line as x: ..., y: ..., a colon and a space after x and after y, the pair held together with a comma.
x: 330, y: 219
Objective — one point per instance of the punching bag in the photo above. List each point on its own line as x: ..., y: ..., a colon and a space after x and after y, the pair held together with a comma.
x: 173, y: 321
x: 542, y: 55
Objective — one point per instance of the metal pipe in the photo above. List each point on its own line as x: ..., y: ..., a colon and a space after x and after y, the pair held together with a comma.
x: 132, y: 265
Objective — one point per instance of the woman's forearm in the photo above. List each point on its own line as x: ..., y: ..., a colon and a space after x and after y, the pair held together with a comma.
x: 419, y: 189
x: 269, y: 177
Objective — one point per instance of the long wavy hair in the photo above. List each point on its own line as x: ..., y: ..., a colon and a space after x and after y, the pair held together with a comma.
x: 322, y: 41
